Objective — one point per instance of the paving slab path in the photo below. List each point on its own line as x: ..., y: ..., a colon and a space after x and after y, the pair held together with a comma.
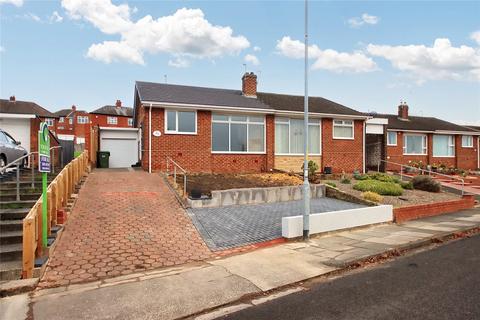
x: 124, y: 221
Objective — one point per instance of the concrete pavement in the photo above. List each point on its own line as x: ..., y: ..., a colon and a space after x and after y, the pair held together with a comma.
x: 189, y: 289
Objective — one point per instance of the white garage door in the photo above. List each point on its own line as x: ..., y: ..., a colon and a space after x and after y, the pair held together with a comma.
x: 122, y: 145
x: 19, y: 129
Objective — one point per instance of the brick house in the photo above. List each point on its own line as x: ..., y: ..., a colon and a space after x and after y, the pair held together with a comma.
x: 221, y: 130
x: 430, y: 140
x: 73, y: 125
x: 117, y: 116
x: 21, y: 119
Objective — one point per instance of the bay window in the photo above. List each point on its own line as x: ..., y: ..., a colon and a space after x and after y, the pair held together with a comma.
x: 443, y: 146
x: 180, y: 122
x: 289, y: 135
x: 238, y: 134
x: 467, y: 141
x: 415, y: 144
x: 343, y: 129
x: 392, y: 138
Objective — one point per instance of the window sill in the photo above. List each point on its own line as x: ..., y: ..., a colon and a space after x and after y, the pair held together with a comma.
x: 238, y: 152
x: 467, y: 147
x: 339, y: 138
x: 443, y: 156
x: 297, y: 154
x: 392, y: 145
x: 182, y: 133
x: 415, y: 154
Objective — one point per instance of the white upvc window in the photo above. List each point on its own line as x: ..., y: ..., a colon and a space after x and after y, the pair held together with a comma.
x: 82, y: 119
x: 61, y: 120
x: 289, y: 136
x: 415, y: 144
x: 130, y: 122
x: 467, y: 141
x: 112, y: 120
x: 180, y: 122
x: 343, y: 129
x: 391, y: 138
x: 443, y: 145
x: 49, y: 121
x: 238, y: 134
x: 70, y: 120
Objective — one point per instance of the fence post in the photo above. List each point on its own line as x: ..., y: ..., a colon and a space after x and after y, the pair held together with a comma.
x: 38, y: 218
x: 28, y: 254
x: 49, y: 211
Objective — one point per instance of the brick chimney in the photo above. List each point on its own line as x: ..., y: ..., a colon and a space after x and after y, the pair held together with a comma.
x: 403, y: 111
x: 118, y: 104
x: 74, y: 108
x: 12, y: 98
x: 249, y: 85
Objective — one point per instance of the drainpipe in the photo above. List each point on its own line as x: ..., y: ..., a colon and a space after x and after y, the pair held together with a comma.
x: 150, y: 139
x: 364, y: 158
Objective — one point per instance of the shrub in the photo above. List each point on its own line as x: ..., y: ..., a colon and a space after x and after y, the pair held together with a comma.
x: 380, y: 187
x: 312, y: 169
x: 360, y: 177
x: 407, y: 185
x: 426, y: 183
x: 384, y: 177
x: 331, y: 184
x: 372, y: 196
x: 345, y: 181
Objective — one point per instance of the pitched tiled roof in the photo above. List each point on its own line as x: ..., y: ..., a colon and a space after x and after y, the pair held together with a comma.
x: 421, y: 123
x: 158, y: 92
x: 63, y: 112
x: 114, y: 111
x: 24, y: 107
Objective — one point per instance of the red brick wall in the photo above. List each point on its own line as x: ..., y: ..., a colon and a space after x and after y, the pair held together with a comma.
x: 432, y: 209
x: 465, y: 158
x: 342, y: 155
x: 193, y: 152
x: 101, y: 120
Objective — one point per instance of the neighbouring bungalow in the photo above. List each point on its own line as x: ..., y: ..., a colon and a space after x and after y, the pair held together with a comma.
x: 431, y: 141
x: 221, y: 130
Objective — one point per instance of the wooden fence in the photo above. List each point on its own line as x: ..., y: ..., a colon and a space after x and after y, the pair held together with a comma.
x: 58, y: 193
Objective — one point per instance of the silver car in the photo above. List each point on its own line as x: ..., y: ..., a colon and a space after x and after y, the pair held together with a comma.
x: 10, y: 150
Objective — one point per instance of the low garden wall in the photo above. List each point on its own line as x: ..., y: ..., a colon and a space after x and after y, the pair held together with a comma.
x: 244, y: 196
x: 292, y: 227
x: 433, y: 209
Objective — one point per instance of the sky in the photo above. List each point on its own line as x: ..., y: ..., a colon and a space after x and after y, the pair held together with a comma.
x: 367, y: 55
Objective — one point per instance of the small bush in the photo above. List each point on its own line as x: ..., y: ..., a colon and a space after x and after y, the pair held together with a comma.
x: 331, y: 184
x: 384, y: 177
x: 312, y: 169
x: 380, y: 187
x: 407, y: 185
x: 426, y: 183
x: 361, y: 177
x: 372, y: 196
x: 345, y: 181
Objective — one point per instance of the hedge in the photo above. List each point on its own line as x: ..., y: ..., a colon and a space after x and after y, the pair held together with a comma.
x: 380, y: 187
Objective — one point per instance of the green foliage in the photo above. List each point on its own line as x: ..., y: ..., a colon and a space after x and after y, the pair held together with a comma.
x: 372, y: 196
x: 331, y: 184
x: 312, y: 169
x: 407, y: 185
x: 360, y: 177
x: 380, y: 187
x: 345, y: 181
x: 426, y: 183
x: 384, y: 177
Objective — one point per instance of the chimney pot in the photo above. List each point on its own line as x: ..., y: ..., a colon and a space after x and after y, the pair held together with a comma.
x: 12, y: 98
x: 118, y: 104
x: 74, y: 108
x: 403, y: 111
x: 249, y: 84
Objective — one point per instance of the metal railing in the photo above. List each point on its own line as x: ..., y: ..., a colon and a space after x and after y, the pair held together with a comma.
x: 16, y: 163
x: 402, y: 166
x: 175, y: 166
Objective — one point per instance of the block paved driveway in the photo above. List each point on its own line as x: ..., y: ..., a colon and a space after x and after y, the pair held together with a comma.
x: 124, y: 221
x: 235, y: 226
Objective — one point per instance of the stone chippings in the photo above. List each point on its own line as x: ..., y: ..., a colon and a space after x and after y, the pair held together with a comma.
x: 234, y: 226
x: 123, y: 222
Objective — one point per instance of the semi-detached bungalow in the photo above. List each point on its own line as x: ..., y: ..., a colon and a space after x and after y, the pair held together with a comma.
x: 220, y: 130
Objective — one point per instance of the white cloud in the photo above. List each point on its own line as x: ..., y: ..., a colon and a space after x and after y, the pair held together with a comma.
x: 328, y: 59
x: 2, y: 49
x: 257, y: 49
x: 179, y: 62
x: 441, y: 61
x: 186, y: 33
x: 17, y: 3
x: 475, y: 36
x: 357, y: 22
x: 55, y: 17
x: 250, y: 58
x: 33, y: 17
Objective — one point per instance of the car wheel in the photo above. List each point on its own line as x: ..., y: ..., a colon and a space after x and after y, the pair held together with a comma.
x: 3, y: 161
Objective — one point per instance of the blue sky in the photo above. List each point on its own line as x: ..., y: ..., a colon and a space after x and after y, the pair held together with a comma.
x: 366, y: 55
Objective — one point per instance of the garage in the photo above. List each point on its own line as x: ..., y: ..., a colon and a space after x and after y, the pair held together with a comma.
x: 18, y: 126
x: 123, y: 145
